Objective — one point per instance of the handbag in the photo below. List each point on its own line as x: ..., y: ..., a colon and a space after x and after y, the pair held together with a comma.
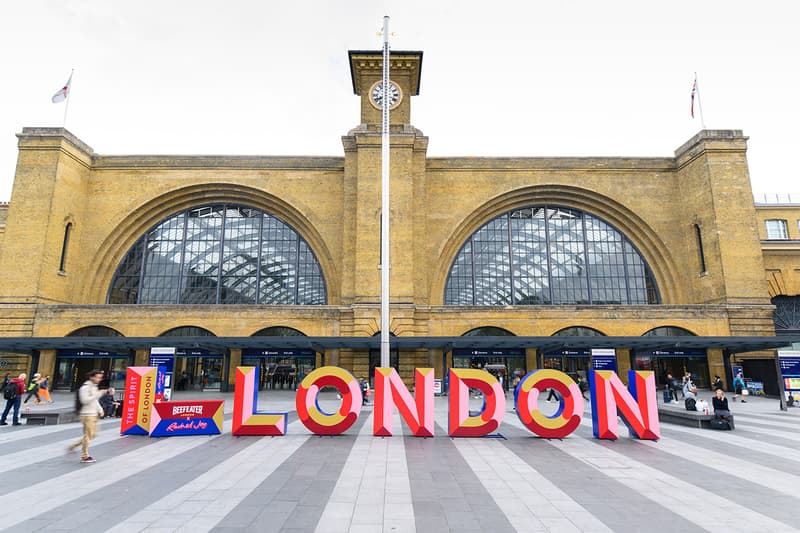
x: 745, y: 392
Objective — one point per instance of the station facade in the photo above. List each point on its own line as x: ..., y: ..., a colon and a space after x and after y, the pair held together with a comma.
x: 272, y: 246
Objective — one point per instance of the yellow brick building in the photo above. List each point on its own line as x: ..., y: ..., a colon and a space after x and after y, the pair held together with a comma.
x: 230, y: 247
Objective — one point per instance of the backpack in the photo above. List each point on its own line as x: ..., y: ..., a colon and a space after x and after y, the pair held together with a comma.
x: 691, y: 404
x: 10, y: 391
x: 78, y: 404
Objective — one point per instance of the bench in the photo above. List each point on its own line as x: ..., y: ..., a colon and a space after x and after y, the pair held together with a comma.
x: 49, y: 418
x: 680, y: 416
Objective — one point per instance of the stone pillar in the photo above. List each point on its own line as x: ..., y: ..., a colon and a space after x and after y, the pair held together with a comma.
x: 623, y: 363
x: 47, y: 364
x: 235, y: 360
x: 716, y: 365
x: 530, y: 359
x: 141, y: 357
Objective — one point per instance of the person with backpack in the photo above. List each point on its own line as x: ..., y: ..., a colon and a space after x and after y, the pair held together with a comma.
x: 87, y: 405
x: 33, y: 389
x: 365, y: 392
x: 12, y: 392
x: 738, y: 387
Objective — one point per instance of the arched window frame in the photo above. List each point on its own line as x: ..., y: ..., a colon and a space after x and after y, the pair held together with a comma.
x: 501, y: 226
x: 262, y: 269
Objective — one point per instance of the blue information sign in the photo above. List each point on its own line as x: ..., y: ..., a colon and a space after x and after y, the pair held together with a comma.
x: 604, y: 359
x: 790, y: 369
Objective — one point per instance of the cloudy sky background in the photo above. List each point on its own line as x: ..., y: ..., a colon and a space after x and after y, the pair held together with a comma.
x: 527, y: 78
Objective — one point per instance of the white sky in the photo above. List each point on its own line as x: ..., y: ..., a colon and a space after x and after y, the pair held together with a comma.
x: 524, y: 78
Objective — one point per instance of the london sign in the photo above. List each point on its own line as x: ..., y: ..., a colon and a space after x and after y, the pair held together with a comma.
x: 144, y: 414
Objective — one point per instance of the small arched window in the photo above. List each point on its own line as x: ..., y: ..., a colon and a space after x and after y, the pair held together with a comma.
x: 62, y: 263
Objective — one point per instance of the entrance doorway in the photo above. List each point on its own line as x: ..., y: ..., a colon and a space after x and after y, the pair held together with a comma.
x: 198, y: 370
x: 73, y: 365
x: 280, y: 369
x: 505, y: 364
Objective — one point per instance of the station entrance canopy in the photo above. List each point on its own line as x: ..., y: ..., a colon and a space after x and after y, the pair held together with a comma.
x: 320, y: 344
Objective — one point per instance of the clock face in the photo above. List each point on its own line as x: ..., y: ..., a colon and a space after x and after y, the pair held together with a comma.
x: 376, y: 95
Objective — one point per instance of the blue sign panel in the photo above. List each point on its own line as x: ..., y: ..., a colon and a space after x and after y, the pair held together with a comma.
x: 466, y: 352
x: 87, y: 354
x: 570, y: 353
x: 790, y: 369
x: 604, y: 362
x: 671, y: 353
x: 255, y: 352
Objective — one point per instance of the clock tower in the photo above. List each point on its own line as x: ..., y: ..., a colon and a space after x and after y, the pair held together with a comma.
x: 366, y: 73
x: 361, y: 217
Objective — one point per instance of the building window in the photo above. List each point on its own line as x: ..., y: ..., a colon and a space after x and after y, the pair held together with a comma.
x: 220, y: 254
x: 787, y: 315
x: 62, y: 263
x: 699, y: 236
x: 544, y: 255
x: 776, y: 229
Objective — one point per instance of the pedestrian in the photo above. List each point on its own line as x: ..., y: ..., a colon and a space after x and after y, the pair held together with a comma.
x: 13, y: 398
x: 552, y: 394
x: 720, y: 402
x: 583, y: 387
x: 738, y: 387
x: 33, y: 389
x: 673, y: 385
x: 44, y: 389
x: 365, y: 392
x: 718, y: 383
x: 690, y: 396
x: 87, y: 405
x: 109, y: 403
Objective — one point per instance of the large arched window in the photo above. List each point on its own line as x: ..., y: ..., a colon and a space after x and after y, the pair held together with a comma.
x: 668, y: 331
x: 549, y: 255
x: 220, y: 254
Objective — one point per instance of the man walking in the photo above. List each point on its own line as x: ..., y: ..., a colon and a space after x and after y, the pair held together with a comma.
x: 89, y: 408
x: 13, y: 398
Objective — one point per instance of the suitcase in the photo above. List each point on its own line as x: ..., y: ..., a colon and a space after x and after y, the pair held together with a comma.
x: 667, y: 396
x: 719, y: 423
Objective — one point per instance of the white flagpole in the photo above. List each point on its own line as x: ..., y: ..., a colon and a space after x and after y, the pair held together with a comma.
x: 699, y: 105
x: 69, y: 93
x: 385, y: 201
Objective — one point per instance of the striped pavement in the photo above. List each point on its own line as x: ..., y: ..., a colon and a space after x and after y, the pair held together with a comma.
x: 690, y: 480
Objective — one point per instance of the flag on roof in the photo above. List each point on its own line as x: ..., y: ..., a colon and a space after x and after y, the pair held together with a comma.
x: 694, y: 91
x: 62, y: 93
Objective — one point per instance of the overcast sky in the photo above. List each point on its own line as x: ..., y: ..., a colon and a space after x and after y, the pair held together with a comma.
x: 527, y: 78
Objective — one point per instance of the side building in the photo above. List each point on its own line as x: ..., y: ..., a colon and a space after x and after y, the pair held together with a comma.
x: 151, y: 249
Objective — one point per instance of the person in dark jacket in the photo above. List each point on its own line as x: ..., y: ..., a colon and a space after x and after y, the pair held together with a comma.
x: 16, y: 402
x: 718, y: 383
x: 108, y: 403
x: 720, y: 403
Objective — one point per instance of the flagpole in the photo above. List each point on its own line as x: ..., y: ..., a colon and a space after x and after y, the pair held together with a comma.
x: 69, y: 93
x: 385, y: 200
x: 699, y: 104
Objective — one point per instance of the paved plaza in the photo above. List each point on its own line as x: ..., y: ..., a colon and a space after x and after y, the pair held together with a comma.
x: 691, y: 480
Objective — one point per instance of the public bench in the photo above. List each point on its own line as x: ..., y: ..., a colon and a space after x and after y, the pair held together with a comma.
x: 49, y: 418
x: 679, y: 415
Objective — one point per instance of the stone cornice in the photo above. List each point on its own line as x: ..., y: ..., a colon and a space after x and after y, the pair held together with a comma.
x: 243, y: 162
x: 657, y: 164
x: 372, y: 61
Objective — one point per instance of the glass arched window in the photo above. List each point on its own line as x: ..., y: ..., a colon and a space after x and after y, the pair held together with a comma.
x: 668, y: 331
x: 549, y: 255
x: 578, y: 331
x: 278, y: 331
x: 187, y: 331
x: 95, y: 331
x: 488, y: 331
x: 220, y: 254
x: 787, y: 315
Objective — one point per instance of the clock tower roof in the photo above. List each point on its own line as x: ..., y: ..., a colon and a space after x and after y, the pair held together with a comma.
x: 367, y: 65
